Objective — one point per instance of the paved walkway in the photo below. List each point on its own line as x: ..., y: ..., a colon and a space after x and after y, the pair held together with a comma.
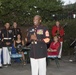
x: 66, y: 68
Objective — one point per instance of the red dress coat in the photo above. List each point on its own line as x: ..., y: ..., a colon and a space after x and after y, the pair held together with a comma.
x: 60, y: 30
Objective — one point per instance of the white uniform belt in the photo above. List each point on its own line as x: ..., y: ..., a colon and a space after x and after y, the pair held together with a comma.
x: 7, y: 38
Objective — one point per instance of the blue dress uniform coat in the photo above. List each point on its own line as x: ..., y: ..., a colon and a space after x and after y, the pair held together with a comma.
x: 15, y: 32
x: 38, y: 48
x: 7, y: 36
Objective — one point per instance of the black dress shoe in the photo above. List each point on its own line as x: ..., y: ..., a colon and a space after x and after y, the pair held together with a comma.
x: 9, y: 64
x: 59, y: 58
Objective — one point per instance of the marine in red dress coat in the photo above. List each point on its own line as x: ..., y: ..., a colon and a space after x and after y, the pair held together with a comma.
x: 57, y: 30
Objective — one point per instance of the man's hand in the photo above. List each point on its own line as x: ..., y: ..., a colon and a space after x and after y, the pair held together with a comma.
x: 7, y: 43
x: 33, y: 37
x: 46, y: 40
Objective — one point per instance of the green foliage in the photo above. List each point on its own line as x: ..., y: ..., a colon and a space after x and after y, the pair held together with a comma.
x: 23, y: 11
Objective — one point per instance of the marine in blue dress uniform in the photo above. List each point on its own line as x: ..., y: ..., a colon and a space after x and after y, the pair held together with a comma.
x: 38, y: 36
x: 16, y: 30
x: 7, y: 35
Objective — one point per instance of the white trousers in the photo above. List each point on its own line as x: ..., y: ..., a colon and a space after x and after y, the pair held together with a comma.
x: 6, y: 56
x: 60, y: 51
x: 0, y: 57
x: 38, y: 66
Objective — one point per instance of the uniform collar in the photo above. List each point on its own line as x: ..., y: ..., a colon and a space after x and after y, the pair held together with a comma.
x: 37, y: 25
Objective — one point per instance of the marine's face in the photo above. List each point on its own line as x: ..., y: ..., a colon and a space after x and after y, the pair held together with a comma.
x: 14, y: 24
x: 57, y: 23
x: 7, y: 25
x: 36, y: 20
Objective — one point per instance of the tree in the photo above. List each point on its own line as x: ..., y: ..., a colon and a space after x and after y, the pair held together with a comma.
x: 23, y: 11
